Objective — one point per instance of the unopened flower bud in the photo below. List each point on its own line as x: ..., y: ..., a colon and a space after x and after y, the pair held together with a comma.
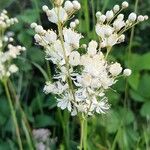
x: 120, y: 16
x: 102, y: 18
x: 116, y: 8
x: 132, y: 17
x: 140, y: 18
x: 33, y: 25
x: 77, y: 21
x: 127, y: 72
x: 146, y: 17
x: 37, y: 38
x: 39, y: 29
x: 45, y: 8
x: 109, y: 15
x: 72, y: 25
x: 68, y: 6
x: 76, y: 5
x: 84, y: 46
x: 98, y: 14
x: 125, y: 4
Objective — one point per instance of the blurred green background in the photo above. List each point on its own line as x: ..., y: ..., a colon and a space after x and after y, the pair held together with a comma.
x: 125, y: 127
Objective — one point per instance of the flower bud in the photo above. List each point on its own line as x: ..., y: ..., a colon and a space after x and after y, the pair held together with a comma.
x: 76, y: 5
x: 98, y: 14
x: 45, y: 8
x: 146, y: 17
x: 132, y: 17
x: 77, y: 21
x: 127, y: 72
x: 116, y: 8
x: 109, y: 15
x: 68, y: 6
x: 115, y: 69
x: 140, y: 18
x: 39, y: 29
x: 125, y: 4
x: 102, y: 18
x: 33, y: 25
x: 72, y: 25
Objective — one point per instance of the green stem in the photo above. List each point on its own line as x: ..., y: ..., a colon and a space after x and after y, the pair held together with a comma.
x: 27, y: 135
x: 49, y: 70
x: 23, y: 115
x: 83, y: 138
x: 70, y: 84
x: 13, y: 115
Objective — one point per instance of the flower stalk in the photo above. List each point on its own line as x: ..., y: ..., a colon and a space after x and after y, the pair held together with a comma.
x: 13, y: 113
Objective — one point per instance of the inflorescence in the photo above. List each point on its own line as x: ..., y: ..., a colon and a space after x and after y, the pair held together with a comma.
x: 82, y: 79
x: 8, y: 51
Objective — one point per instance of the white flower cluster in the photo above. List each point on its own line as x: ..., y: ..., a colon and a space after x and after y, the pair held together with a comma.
x: 6, y: 68
x: 5, y: 21
x: 82, y: 79
x: 7, y: 50
x: 111, y: 26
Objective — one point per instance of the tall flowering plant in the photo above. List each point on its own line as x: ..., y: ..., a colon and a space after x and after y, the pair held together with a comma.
x: 82, y: 79
x: 8, y: 52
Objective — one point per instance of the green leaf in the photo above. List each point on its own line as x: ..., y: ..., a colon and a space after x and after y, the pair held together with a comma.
x: 145, y: 110
x: 5, y: 3
x: 25, y: 39
x: 144, y: 86
x: 29, y: 16
x: 133, y: 80
x: 44, y: 121
x: 140, y: 62
x: 136, y: 97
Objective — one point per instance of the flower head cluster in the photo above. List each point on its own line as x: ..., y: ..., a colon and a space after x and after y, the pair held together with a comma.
x: 5, y: 21
x: 82, y: 79
x: 111, y: 26
x: 42, y: 139
x: 7, y: 50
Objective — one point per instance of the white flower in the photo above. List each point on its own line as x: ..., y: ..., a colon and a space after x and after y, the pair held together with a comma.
x: 112, y: 40
x: 64, y: 103
x: 56, y: 88
x: 127, y: 72
x: 74, y: 58
x: 57, y: 14
x: 102, y: 106
x: 115, y: 69
x: 71, y: 37
x: 118, y: 24
x: 92, y: 48
x: 107, y: 82
x: 104, y: 30
x: 50, y: 37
